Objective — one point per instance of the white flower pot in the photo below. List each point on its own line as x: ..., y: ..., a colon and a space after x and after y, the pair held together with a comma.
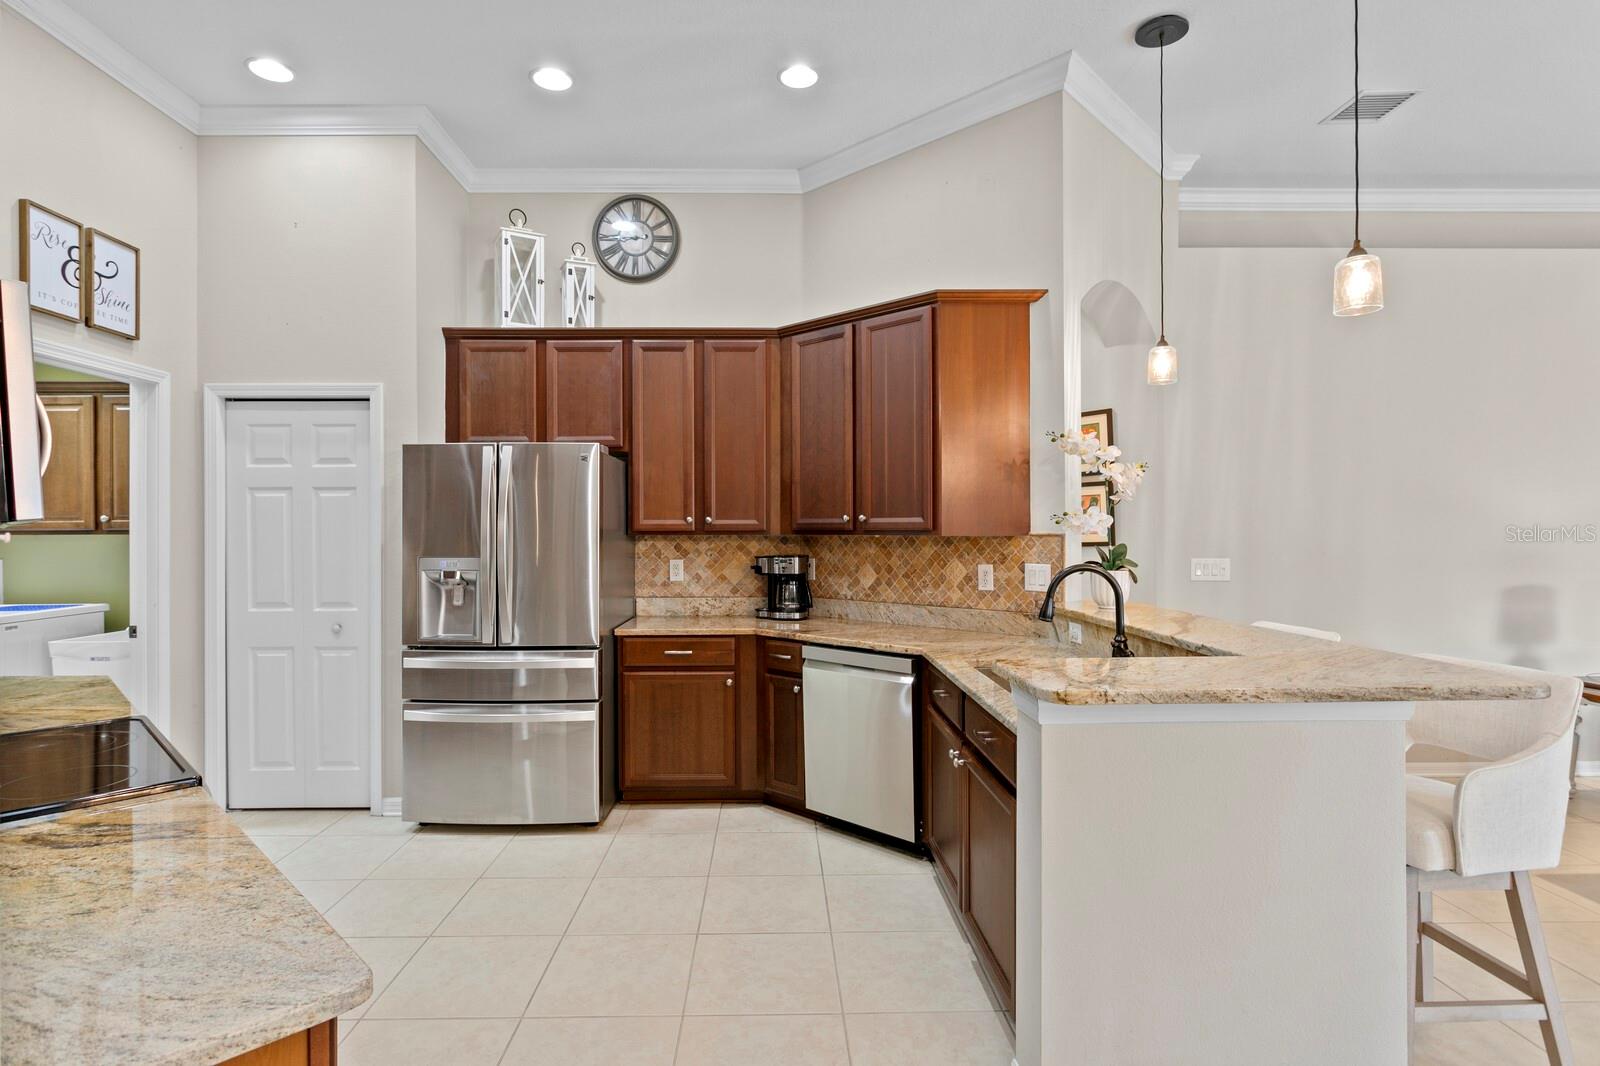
x: 1102, y: 594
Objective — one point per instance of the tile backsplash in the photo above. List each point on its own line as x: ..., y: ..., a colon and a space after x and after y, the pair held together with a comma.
x: 933, y: 571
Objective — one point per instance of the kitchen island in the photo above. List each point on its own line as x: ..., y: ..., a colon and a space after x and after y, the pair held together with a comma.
x: 154, y: 930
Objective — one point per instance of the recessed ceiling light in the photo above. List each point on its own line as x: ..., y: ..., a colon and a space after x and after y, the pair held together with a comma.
x: 270, y: 70
x: 798, y: 76
x: 553, y: 78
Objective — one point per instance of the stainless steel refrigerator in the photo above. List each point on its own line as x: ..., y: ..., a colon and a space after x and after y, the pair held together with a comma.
x: 518, y: 569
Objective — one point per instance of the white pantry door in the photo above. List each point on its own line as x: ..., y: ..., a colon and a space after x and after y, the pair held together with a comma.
x: 297, y: 544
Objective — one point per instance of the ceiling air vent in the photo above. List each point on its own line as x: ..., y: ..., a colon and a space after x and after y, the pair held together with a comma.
x: 1374, y: 106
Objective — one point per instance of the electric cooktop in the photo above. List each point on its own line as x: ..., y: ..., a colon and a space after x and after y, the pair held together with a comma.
x: 60, y: 768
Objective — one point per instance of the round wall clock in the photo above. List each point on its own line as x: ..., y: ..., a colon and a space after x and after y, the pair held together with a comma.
x: 636, y: 238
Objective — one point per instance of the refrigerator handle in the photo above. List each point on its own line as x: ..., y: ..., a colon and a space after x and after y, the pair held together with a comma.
x: 505, y: 569
x: 486, y: 548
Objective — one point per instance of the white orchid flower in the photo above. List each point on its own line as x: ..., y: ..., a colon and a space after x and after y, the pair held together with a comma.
x: 1092, y: 522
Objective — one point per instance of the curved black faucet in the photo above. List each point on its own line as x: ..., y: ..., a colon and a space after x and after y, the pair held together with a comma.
x: 1047, y: 609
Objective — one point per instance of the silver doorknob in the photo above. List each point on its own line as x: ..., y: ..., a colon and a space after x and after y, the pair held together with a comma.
x: 337, y: 629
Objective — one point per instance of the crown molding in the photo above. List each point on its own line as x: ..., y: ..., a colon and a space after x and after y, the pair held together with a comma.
x: 1511, y: 201
x: 1112, y: 111
x: 625, y: 179
x: 116, y: 62
x: 1023, y: 88
x: 375, y: 121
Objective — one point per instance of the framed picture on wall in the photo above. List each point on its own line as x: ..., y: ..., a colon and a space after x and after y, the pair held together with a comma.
x: 1098, y: 494
x: 52, y: 260
x: 1098, y: 422
x: 113, y: 295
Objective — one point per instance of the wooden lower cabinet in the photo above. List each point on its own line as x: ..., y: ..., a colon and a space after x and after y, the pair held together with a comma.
x: 679, y: 729
x: 783, y: 738
x: 316, y: 1046
x: 941, y: 803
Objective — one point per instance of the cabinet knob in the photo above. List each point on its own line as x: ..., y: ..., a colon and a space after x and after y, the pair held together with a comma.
x: 956, y: 759
x: 861, y: 518
x: 708, y: 518
x: 797, y: 688
x: 728, y: 682
x: 689, y: 518
x: 104, y: 519
x: 844, y: 518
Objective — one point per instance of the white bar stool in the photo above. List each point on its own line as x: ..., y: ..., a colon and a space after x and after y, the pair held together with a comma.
x: 1503, y: 819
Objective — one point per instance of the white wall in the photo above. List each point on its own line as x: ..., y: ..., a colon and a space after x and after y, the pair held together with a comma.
x: 79, y: 143
x: 1362, y: 473
x: 980, y: 208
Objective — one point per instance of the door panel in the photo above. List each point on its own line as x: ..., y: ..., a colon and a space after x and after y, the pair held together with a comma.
x: 734, y: 436
x: 942, y: 784
x: 819, y: 433
x: 678, y: 729
x: 546, y: 569
x: 585, y: 393
x: 69, y: 484
x: 785, y: 738
x: 492, y: 391
x: 990, y: 873
x: 662, y: 484
x: 894, y: 422
x: 298, y: 658
x: 111, y: 421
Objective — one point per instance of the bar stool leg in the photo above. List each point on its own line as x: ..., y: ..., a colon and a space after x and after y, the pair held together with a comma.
x: 1536, y: 964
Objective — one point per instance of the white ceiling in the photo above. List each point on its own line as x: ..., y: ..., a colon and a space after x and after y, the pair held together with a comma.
x: 1508, y: 96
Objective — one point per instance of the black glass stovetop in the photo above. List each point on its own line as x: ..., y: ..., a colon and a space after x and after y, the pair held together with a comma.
x: 59, y: 768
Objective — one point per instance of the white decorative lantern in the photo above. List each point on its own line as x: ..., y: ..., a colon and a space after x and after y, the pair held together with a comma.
x: 521, y: 273
x: 577, y: 288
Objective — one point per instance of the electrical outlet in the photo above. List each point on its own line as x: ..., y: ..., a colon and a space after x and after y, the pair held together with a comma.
x: 985, y: 577
x: 1210, y: 570
x: 1074, y: 633
x: 1035, y: 577
x: 675, y: 570
x: 811, y: 571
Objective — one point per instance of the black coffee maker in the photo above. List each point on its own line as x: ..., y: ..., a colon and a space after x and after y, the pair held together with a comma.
x: 788, y: 589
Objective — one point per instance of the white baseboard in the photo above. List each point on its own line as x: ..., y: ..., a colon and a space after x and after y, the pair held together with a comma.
x: 1589, y: 767
x: 391, y: 807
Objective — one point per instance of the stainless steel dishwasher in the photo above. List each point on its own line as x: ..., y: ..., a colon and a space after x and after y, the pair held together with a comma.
x: 860, y: 753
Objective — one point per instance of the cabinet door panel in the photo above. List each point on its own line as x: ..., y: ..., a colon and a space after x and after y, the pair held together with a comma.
x: 942, y: 782
x: 819, y: 433
x: 894, y: 422
x: 69, y: 484
x: 734, y: 435
x: 585, y: 393
x: 678, y: 729
x: 111, y: 461
x: 989, y: 872
x: 492, y: 391
x: 784, y: 728
x: 662, y: 480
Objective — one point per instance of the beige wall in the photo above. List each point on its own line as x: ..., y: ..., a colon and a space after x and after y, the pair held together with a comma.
x: 79, y: 143
x: 1390, y: 229
x: 739, y: 264
x: 1362, y: 473
x: 441, y: 220
x: 309, y: 273
x: 981, y: 208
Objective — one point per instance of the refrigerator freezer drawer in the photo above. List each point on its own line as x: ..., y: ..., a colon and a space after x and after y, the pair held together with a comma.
x: 508, y: 764
x: 483, y: 676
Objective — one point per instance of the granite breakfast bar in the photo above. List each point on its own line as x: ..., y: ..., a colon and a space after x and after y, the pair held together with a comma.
x: 154, y: 930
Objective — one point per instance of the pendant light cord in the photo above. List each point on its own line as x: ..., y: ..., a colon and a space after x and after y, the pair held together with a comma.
x: 1356, y: 105
x: 1161, y: 173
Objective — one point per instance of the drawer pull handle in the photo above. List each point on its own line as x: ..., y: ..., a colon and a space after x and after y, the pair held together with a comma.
x: 677, y: 651
x: 940, y: 692
x: 983, y: 734
x: 775, y: 655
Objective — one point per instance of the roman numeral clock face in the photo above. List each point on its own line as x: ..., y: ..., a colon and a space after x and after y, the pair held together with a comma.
x: 636, y: 238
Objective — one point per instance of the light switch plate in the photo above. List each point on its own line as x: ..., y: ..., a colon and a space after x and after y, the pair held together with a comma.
x: 985, y: 577
x: 1074, y: 633
x: 1210, y: 570
x: 675, y: 570
x: 1035, y: 577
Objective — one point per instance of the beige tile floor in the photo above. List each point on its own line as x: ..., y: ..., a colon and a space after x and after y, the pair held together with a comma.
x: 738, y: 934
x: 693, y: 935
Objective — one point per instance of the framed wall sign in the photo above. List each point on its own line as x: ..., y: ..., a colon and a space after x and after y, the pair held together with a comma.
x: 52, y: 260
x: 112, y: 296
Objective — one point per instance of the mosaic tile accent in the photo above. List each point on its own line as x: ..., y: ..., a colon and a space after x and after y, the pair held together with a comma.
x: 929, y: 571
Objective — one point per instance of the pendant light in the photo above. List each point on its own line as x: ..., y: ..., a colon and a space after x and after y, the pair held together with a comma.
x: 1161, y: 367
x: 1358, y: 279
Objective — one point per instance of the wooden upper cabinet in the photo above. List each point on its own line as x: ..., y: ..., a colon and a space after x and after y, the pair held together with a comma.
x: 584, y: 392
x: 69, y: 483
x: 111, y: 462
x: 662, y: 485
x: 894, y: 422
x: 819, y: 429
x: 491, y: 390
x: 735, y: 381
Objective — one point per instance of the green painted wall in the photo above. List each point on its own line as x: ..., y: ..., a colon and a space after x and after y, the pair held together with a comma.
x: 68, y: 567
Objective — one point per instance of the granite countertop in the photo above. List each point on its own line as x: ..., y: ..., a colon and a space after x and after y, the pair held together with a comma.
x: 152, y: 931
x: 36, y: 702
x: 1211, y: 662
x: 955, y: 653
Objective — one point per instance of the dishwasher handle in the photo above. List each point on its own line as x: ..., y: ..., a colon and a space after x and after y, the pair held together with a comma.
x: 882, y: 676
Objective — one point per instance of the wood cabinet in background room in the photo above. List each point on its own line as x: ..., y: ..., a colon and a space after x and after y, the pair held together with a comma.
x: 86, y: 486
x: 491, y: 390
